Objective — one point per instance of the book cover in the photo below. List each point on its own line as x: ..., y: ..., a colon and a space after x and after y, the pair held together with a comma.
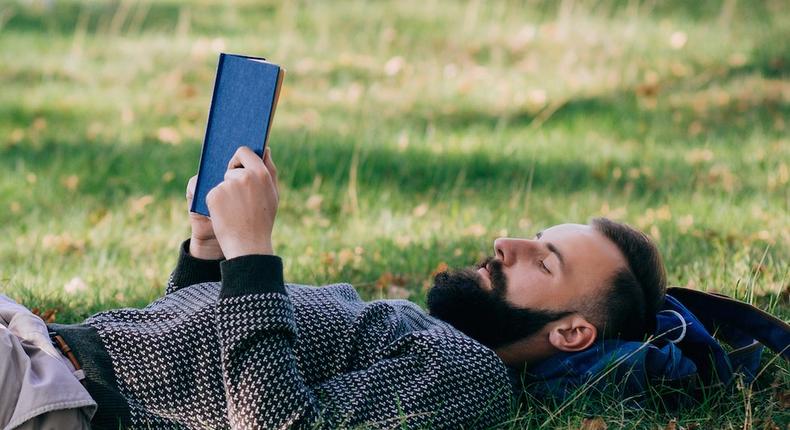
x: 245, y: 96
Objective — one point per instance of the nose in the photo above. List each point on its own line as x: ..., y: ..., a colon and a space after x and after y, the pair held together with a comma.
x: 508, y: 249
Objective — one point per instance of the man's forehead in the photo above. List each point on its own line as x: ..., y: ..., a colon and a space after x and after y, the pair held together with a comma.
x: 568, y: 229
x: 584, y: 245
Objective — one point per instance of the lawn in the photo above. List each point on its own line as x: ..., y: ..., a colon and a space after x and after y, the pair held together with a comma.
x: 409, y: 135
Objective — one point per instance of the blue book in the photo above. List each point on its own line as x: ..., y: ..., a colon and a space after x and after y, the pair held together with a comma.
x: 246, y: 90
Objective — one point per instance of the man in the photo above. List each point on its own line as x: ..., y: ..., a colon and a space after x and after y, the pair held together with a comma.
x: 231, y: 345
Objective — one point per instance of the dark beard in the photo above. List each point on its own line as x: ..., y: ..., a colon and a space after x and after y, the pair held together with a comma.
x: 458, y: 297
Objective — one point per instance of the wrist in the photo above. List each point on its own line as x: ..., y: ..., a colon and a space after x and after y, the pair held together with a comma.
x: 205, y: 249
x: 239, y: 250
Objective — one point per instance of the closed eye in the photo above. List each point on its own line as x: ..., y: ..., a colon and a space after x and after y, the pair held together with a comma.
x: 544, y: 267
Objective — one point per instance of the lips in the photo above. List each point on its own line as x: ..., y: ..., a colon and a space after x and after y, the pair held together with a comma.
x: 486, y: 275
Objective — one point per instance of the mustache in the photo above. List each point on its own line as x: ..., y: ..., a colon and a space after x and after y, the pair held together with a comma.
x: 495, y: 266
x: 458, y: 298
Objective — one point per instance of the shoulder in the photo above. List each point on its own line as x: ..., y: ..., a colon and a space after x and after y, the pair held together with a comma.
x: 457, y: 357
x: 475, y: 384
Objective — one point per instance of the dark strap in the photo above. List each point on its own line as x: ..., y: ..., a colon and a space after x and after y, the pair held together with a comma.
x: 720, y: 310
x: 60, y: 343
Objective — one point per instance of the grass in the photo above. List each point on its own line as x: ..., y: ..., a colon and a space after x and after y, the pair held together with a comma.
x: 410, y: 134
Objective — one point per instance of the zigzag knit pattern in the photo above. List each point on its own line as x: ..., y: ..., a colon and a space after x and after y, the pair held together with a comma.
x: 303, y: 357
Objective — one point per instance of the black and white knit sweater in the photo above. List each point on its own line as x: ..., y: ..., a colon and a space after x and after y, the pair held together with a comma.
x: 231, y: 346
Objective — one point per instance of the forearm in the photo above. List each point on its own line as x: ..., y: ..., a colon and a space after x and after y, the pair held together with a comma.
x: 256, y: 328
x: 191, y: 270
x: 208, y: 249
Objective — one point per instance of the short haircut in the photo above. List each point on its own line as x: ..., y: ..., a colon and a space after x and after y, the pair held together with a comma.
x: 635, y: 293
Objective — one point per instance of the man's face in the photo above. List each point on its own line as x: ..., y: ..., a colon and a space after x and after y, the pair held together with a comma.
x: 527, y: 284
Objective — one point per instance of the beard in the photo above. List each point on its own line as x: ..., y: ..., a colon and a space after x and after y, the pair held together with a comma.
x: 459, y: 298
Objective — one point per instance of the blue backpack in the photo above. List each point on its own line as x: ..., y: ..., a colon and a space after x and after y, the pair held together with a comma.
x: 687, y: 347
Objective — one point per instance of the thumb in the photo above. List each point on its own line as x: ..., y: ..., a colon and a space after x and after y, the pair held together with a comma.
x: 191, y: 188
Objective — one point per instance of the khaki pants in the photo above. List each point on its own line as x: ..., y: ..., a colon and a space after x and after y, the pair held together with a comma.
x: 38, y: 386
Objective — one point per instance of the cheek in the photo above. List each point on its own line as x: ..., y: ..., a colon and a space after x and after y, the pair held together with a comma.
x: 525, y: 288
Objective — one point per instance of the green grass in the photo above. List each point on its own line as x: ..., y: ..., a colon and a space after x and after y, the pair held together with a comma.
x: 409, y: 134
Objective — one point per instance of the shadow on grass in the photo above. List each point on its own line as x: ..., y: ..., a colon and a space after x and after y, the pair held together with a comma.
x: 112, y: 172
x: 61, y: 17
x: 622, y: 114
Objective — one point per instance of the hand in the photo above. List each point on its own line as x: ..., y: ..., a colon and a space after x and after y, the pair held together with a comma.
x: 203, y: 244
x: 244, y: 205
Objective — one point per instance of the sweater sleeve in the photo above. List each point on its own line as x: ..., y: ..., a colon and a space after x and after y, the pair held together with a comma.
x: 190, y: 270
x: 424, y: 379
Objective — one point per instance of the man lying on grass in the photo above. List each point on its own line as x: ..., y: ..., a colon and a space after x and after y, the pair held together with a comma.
x: 231, y: 345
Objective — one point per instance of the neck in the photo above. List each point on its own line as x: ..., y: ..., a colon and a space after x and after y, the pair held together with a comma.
x: 529, y: 350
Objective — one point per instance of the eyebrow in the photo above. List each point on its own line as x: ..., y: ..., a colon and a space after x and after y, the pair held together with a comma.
x: 553, y: 249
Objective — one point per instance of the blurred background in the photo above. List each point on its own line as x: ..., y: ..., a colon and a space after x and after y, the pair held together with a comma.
x: 409, y: 136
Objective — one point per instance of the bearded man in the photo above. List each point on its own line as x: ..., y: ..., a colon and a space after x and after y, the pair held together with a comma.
x: 231, y: 345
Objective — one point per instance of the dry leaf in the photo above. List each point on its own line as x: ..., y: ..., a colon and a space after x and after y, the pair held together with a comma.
x: 596, y: 423
x: 397, y: 292
x: 63, y: 244
x: 783, y: 397
x: 49, y: 316
x: 420, y: 210
x: 138, y: 205
x: 71, y: 182
x: 441, y: 267
x: 678, y: 40
x: 475, y: 230
x: 314, y: 202
x: 75, y: 285
x: 168, y: 135
x: 394, y: 65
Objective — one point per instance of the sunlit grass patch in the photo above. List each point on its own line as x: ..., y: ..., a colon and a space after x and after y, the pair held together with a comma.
x: 409, y: 135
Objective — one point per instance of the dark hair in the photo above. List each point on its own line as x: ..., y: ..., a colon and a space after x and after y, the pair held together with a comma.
x: 627, y: 310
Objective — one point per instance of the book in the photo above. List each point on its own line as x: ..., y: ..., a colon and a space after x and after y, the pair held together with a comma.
x: 246, y: 91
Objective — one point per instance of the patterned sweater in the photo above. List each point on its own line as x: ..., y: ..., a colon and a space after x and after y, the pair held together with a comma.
x: 231, y: 346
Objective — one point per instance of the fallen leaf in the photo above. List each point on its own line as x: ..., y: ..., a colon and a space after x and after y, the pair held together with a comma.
x: 71, y: 182
x: 314, y: 202
x: 75, y: 285
x: 476, y: 230
x: 397, y: 292
x: 441, y: 267
x: 49, y: 316
x: 138, y: 205
x: 596, y: 423
x: 168, y: 135
x: 420, y: 210
x: 678, y: 40
x: 394, y: 65
x: 63, y: 244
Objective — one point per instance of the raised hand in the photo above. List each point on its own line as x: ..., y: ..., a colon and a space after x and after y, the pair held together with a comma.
x: 244, y: 205
x: 203, y: 243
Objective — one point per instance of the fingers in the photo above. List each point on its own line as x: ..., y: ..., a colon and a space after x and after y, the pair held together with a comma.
x: 269, y: 163
x: 191, y: 188
x: 246, y: 158
x: 235, y: 174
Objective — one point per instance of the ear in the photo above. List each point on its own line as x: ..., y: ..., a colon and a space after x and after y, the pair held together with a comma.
x: 572, y: 333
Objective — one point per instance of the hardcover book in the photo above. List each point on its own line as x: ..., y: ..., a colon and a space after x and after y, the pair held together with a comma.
x: 245, y: 96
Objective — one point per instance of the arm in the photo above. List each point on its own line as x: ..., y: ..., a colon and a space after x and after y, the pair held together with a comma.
x: 467, y: 385
x: 191, y: 270
x: 200, y: 255
x: 432, y: 380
